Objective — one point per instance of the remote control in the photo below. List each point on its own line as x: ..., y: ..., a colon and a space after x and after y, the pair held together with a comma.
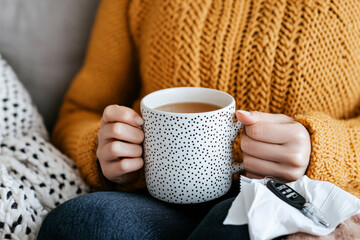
x: 286, y: 193
x: 290, y: 196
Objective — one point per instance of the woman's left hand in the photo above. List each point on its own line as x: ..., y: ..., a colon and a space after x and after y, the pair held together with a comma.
x: 274, y: 145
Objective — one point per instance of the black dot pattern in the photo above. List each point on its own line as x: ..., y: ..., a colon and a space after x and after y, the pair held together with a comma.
x: 34, y: 176
x: 188, y: 157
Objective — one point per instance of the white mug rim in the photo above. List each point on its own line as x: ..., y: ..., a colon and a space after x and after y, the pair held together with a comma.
x: 143, y: 104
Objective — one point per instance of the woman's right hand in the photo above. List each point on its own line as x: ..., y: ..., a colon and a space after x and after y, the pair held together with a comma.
x: 119, y: 138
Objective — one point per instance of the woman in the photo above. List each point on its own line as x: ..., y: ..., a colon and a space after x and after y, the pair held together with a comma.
x: 293, y: 66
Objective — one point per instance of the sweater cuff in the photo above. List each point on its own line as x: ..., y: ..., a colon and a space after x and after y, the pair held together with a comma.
x: 82, y: 147
x: 326, y: 148
x: 88, y: 163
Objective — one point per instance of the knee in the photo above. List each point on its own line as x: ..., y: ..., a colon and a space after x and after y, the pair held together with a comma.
x: 102, y: 215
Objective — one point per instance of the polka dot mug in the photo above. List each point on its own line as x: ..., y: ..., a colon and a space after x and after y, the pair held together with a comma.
x: 189, y: 156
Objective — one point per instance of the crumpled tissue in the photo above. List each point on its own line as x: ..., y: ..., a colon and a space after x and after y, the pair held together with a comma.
x: 269, y: 217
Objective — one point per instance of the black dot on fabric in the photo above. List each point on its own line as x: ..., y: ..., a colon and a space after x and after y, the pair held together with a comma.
x: 15, y: 105
x: 42, y: 185
x: 19, y: 220
x: 33, y: 218
x: 46, y: 164
x: 61, y: 185
x: 21, y: 186
x: 14, y: 205
x: 15, y: 114
x: 23, y: 178
x: 28, y: 231
x: 8, y: 195
x: 2, y: 224
x: 12, y: 148
x: 13, y: 226
x: 35, y: 156
x: 7, y: 236
x: 51, y: 191
x: 22, y: 150
x: 63, y: 176
x: 53, y: 176
x: 34, y: 138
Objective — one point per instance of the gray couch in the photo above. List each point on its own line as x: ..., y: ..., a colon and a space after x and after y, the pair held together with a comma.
x: 45, y: 42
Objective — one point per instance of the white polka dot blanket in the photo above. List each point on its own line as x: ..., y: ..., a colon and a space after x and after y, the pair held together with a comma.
x: 34, y: 176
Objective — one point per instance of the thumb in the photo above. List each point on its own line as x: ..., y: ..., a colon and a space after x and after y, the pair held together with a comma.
x: 249, y: 118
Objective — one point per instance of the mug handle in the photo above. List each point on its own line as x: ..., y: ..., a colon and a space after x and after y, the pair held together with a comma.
x: 236, y: 166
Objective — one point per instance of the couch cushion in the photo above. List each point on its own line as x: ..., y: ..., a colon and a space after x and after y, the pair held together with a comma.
x: 45, y: 42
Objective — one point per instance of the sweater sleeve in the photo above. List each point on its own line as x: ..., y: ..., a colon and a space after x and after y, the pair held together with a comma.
x: 108, y: 76
x: 335, y: 150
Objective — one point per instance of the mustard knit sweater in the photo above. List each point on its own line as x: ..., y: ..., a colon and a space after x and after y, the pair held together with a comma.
x: 300, y: 58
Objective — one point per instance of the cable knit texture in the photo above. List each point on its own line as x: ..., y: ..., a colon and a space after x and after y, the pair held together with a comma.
x: 34, y: 176
x: 300, y: 58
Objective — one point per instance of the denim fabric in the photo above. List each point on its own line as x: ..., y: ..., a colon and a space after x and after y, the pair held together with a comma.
x: 116, y: 215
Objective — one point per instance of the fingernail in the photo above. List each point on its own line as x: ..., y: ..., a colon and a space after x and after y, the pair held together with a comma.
x: 139, y: 121
x: 246, y: 113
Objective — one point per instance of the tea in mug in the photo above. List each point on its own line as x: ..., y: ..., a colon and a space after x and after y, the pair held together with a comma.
x: 188, y: 107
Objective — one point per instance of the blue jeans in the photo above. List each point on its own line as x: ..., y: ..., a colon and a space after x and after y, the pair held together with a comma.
x: 117, y: 215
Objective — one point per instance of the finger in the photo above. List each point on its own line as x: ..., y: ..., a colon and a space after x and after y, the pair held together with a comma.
x: 249, y: 118
x: 253, y: 176
x: 125, y: 178
x: 116, y: 169
x: 121, y: 131
x: 261, y: 167
x: 117, y: 149
x: 271, y: 132
x: 116, y: 113
x: 263, y: 150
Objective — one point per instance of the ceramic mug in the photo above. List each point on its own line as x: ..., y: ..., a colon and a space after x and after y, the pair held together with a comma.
x: 189, y: 156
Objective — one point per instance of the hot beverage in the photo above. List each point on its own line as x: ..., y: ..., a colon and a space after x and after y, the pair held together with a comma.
x: 188, y: 107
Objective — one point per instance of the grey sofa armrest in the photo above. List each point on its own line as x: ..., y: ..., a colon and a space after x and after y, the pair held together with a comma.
x: 45, y: 43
